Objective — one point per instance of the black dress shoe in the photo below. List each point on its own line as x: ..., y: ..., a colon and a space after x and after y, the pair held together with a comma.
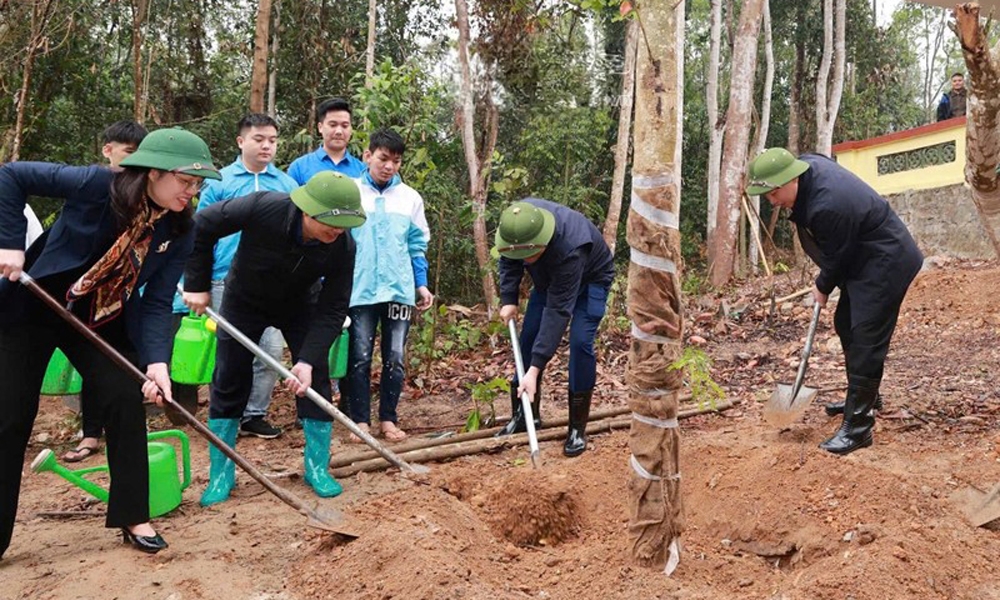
x: 149, y: 544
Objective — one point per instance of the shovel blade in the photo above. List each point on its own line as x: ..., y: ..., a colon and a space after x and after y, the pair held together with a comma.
x: 985, y: 508
x: 331, y: 520
x: 782, y: 410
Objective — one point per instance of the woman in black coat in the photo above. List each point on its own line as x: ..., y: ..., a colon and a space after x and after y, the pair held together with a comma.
x: 114, y: 256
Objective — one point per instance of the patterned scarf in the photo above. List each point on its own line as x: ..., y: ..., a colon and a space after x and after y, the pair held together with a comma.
x: 112, y: 279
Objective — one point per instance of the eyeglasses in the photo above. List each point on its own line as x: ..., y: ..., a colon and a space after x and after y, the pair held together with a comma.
x: 189, y: 182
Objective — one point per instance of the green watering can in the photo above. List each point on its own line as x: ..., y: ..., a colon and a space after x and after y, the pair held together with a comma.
x: 61, y: 379
x: 165, y: 486
x: 338, y: 353
x: 193, y: 359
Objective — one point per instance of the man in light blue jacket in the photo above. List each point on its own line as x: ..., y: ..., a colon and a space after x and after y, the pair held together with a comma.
x: 390, y: 278
x: 253, y: 171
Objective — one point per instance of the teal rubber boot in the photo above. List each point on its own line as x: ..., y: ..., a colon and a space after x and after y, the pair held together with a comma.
x: 222, y: 471
x: 317, y: 458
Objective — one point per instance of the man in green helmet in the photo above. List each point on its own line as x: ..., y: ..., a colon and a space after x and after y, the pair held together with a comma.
x: 293, y: 270
x: 571, y: 268
x: 862, y: 247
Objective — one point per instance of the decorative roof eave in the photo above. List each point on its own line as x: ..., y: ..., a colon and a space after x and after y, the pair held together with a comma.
x: 899, y: 135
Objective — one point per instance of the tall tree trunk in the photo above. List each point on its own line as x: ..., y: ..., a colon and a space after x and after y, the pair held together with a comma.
x: 982, y: 133
x: 795, y: 98
x: 654, y: 290
x: 722, y: 251
x: 760, y: 142
x: 140, y: 9
x: 716, y: 128
x: 272, y: 78
x: 370, y: 51
x: 476, y: 176
x: 828, y: 91
x: 258, y: 77
x: 624, y: 135
x: 41, y: 14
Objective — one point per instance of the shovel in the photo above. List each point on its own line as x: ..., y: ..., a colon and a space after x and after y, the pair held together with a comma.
x: 314, y: 396
x: 319, y: 517
x: 985, y: 508
x: 788, y: 402
x: 529, y: 419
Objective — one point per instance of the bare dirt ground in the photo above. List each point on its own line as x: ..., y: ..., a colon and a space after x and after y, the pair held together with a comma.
x: 768, y: 515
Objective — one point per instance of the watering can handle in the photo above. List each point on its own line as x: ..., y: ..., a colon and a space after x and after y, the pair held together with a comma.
x: 185, y: 450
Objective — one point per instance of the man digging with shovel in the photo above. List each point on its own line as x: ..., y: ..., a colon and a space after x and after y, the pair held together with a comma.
x: 571, y: 268
x: 862, y: 247
x: 292, y: 270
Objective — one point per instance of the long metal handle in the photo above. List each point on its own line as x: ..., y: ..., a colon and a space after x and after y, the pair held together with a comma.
x: 285, y: 496
x: 529, y: 418
x: 313, y: 395
x: 801, y: 375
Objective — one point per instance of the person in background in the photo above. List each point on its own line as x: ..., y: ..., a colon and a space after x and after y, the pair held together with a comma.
x: 862, y: 247
x: 121, y: 139
x: 571, y: 268
x: 292, y: 270
x: 390, y: 278
x: 333, y: 121
x: 118, y: 232
x: 252, y: 171
x: 953, y: 103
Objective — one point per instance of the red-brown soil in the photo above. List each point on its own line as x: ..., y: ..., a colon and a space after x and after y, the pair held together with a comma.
x: 767, y: 514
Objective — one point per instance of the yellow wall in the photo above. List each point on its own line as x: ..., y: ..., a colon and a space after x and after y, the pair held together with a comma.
x: 863, y: 162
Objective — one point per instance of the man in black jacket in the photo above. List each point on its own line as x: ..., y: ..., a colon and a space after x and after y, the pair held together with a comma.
x: 572, y: 269
x: 293, y: 270
x: 862, y: 247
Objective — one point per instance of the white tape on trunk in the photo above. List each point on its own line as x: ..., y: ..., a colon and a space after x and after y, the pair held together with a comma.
x: 651, y: 213
x: 653, y: 262
x: 651, y: 337
x: 661, y: 423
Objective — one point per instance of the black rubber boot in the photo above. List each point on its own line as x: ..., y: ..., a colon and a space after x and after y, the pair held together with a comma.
x: 516, y: 423
x: 579, y: 412
x: 859, y: 418
x: 837, y: 408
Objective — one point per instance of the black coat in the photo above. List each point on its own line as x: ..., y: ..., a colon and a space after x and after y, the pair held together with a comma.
x: 84, y: 231
x: 575, y: 257
x: 273, y: 271
x: 855, y: 237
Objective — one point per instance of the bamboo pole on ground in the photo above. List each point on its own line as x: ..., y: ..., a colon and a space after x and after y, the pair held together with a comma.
x: 492, y: 444
x: 345, y: 459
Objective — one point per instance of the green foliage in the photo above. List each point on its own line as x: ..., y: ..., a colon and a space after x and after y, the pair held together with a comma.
x: 484, y: 395
x: 698, y: 368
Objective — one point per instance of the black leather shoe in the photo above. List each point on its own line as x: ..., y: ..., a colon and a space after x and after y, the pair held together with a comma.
x: 579, y: 413
x: 147, y: 544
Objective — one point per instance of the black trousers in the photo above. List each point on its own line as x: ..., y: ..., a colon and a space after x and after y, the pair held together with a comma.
x: 866, y: 344
x: 233, y: 375
x: 25, y: 349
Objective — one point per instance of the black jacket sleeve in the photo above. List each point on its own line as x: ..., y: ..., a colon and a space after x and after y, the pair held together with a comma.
x: 511, y: 272
x: 836, y: 233
x: 560, y: 300
x: 18, y: 180
x: 333, y: 304
x: 157, y: 305
x: 212, y: 224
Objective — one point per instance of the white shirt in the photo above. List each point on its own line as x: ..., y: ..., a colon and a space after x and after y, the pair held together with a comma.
x: 34, y: 226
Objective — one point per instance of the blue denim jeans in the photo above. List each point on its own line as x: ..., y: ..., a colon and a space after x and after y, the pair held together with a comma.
x: 395, y: 324
x: 264, y: 378
x: 587, y: 315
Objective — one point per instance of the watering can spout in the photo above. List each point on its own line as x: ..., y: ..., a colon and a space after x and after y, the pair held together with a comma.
x: 46, y: 461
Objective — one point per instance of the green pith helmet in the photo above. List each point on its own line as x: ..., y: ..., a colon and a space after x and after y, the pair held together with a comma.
x: 772, y: 169
x: 332, y: 199
x: 524, y: 230
x: 176, y: 150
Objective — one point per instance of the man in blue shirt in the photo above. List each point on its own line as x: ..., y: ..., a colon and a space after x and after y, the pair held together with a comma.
x: 333, y: 121
x: 253, y: 171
